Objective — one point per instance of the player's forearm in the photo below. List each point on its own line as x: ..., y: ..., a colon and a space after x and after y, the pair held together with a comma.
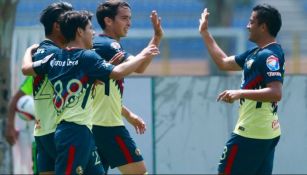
x: 12, y: 107
x: 125, y: 112
x: 262, y: 95
x: 26, y: 67
x: 155, y: 40
x: 126, y: 68
x: 216, y: 53
x: 144, y: 65
x: 27, y: 62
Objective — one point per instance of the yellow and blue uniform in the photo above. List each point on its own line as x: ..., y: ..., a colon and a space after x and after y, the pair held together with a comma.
x: 114, y: 143
x: 72, y: 74
x: 45, y: 124
x: 257, y: 130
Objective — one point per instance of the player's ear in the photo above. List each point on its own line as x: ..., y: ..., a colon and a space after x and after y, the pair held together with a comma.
x: 79, y: 31
x: 56, y: 27
x: 108, y: 21
x: 264, y: 27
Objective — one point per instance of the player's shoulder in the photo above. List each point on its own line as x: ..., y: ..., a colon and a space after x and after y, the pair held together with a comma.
x: 46, y: 47
x: 90, y: 54
x: 272, y: 50
x: 105, y: 41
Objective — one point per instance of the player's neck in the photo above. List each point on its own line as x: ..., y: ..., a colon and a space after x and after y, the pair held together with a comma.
x: 77, y: 43
x: 266, y: 41
x: 57, y: 41
x: 111, y: 34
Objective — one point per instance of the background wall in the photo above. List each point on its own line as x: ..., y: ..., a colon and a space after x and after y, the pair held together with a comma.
x: 192, y: 128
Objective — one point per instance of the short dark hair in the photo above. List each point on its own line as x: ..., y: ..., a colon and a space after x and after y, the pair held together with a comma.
x: 52, y: 13
x: 270, y: 16
x: 109, y: 9
x: 71, y: 21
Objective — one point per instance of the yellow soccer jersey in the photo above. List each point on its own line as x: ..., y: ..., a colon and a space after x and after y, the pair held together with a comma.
x: 107, y: 104
x: 45, y: 122
x: 258, y: 123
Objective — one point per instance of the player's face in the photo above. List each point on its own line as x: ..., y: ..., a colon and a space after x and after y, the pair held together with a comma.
x: 122, y: 22
x: 88, y: 35
x: 254, y: 28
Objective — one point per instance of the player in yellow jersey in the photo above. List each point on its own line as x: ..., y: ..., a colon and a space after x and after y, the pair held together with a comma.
x: 250, y: 150
x: 45, y: 113
x: 115, y: 145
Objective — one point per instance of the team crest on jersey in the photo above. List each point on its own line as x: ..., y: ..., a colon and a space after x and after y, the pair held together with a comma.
x: 115, y: 45
x: 272, y: 63
x: 79, y: 170
x: 249, y: 63
x: 138, y: 152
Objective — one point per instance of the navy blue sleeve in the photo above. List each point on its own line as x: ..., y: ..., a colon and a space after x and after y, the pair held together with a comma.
x: 108, y: 49
x: 43, y: 55
x: 271, y: 67
x: 95, y: 67
x: 42, y: 66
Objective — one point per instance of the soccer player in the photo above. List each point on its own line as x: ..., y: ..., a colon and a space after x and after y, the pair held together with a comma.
x: 114, y: 143
x: 250, y: 150
x: 45, y: 113
x: 73, y: 73
x: 11, y: 134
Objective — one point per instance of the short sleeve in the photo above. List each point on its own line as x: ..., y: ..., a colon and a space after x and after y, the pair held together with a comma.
x: 271, y: 67
x: 95, y: 66
x: 108, y: 49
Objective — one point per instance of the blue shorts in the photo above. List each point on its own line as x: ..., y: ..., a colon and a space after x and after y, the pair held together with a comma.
x: 243, y: 155
x: 46, y: 152
x: 76, y: 150
x: 115, y: 146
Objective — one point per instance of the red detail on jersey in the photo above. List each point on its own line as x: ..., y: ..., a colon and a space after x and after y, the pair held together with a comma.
x: 120, y: 84
x: 254, y: 82
x: 124, y: 148
x: 70, y: 160
x: 231, y: 158
x: 37, y: 80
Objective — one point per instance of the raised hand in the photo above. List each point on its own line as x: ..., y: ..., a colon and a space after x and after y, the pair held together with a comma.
x: 156, y: 24
x: 203, y: 21
x: 150, y: 51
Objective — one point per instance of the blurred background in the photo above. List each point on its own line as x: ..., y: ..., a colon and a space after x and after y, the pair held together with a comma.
x: 187, y: 129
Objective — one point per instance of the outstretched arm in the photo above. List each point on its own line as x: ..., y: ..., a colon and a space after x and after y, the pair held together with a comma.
x: 130, y: 66
x: 136, y: 121
x: 272, y: 93
x: 218, y: 55
x: 27, y: 68
x: 155, y: 40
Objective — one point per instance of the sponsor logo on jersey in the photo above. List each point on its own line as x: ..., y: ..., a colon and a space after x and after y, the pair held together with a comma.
x: 272, y: 63
x: 274, y: 74
x: 68, y: 62
x: 115, y: 45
